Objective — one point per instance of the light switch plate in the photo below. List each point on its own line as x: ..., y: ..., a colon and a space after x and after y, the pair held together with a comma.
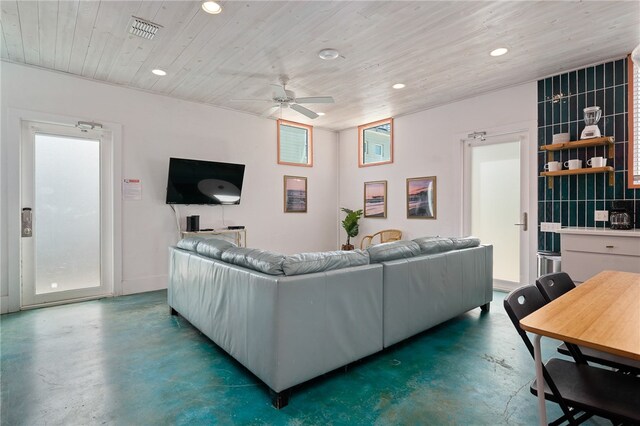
x: 601, y: 215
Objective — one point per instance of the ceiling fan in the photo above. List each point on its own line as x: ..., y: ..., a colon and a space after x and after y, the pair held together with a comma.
x: 283, y: 98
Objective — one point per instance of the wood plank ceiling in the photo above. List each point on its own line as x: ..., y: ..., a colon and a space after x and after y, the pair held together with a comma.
x: 440, y: 50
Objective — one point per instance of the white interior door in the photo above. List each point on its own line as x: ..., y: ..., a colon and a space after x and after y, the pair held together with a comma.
x: 496, y: 207
x: 66, y: 197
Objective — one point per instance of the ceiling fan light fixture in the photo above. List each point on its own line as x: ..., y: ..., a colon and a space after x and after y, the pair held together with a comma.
x: 320, y: 113
x: 399, y: 86
x: 328, y: 54
x: 499, y: 51
x: 211, y: 7
x: 159, y: 72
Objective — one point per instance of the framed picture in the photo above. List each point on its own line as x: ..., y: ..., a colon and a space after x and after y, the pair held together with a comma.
x: 295, y: 194
x: 421, y: 198
x: 375, y: 199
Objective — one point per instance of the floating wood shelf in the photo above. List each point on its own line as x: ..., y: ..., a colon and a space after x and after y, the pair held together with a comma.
x: 605, y: 140
x: 585, y: 171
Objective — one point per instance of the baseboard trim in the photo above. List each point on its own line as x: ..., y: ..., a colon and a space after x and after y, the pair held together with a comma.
x: 142, y: 285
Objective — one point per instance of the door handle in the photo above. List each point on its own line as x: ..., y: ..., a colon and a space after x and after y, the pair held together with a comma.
x: 27, y: 228
x: 524, y: 223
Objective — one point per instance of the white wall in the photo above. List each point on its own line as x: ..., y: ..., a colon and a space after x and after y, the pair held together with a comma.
x: 427, y: 143
x: 155, y: 128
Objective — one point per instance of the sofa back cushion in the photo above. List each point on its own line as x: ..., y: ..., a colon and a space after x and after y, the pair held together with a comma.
x: 433, y: 245
x: 264, y: 261
x: 402, y: 249
x: 465, y: 242
x: 213, y: 247
x: 308, y: 263
x: 189, y: 243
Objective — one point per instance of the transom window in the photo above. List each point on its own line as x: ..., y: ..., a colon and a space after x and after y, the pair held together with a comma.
x: 295, y: 144
x: 375, y: 143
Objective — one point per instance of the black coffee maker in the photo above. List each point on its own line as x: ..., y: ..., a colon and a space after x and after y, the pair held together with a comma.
x: 621, y: 215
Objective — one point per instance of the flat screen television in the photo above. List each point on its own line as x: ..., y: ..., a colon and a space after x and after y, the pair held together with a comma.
x: 204, y: 182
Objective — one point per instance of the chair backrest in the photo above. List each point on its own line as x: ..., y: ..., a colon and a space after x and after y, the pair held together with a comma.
x: 554, y: 285
x: 385, y: 236
x: 520, y: 303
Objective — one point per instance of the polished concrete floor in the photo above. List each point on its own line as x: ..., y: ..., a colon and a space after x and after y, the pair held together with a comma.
x: 126, y: 361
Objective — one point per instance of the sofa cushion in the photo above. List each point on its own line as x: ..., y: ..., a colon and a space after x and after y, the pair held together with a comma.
x: 256, y: 259
x: 402, y: 249
x: 308, y: 263
x: 433, y: 245
x: 213, y: 247
x: 189, y: 243
x: 465, y: 242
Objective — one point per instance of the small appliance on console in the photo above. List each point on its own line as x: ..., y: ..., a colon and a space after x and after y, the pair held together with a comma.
x: 621, y: 215
x: 592, y: 115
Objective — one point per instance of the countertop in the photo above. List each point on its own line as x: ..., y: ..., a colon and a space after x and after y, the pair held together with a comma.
x: 600, y: 231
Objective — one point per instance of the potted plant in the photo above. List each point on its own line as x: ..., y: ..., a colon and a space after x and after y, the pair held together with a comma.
x: 350, y: 225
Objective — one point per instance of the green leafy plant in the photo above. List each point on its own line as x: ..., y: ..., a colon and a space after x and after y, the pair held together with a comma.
x: 350, y: 223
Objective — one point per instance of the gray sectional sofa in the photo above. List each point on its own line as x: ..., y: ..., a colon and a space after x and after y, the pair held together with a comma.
x: 289, y: 319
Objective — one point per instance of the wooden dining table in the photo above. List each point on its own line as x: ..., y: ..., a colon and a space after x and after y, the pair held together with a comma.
x: 602, y: 313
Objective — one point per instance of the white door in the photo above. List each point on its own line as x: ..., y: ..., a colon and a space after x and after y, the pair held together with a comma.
x: 496, y: 206
x: 66, y: 197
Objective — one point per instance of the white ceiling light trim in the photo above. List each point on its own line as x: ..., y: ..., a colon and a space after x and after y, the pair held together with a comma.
x: 211, y: 7
x: 320, y: 113
x: 159, y: 72
x: 328, y: 54
x: 399, y: 86
x: 499, y: 51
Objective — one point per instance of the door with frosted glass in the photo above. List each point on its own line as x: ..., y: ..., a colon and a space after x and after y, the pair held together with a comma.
x: 64, y: 219
x: 495, y: 208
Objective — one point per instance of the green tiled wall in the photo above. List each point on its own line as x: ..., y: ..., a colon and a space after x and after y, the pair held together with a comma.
x: 561, y: 99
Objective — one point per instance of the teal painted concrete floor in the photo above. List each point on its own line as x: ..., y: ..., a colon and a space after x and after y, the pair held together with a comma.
x: 126, y: 361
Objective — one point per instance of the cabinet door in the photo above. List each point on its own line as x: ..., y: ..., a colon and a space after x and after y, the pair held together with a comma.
x: 583, y: 265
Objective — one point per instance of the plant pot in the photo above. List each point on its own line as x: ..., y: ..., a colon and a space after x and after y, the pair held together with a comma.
x: 347, y: 247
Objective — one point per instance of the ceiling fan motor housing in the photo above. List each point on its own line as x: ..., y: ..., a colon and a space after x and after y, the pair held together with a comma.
x: 291, y: 97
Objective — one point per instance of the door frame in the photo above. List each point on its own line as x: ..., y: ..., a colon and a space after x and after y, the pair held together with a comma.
x: 29, y: 297
x: 12, y: 134
x: 525, y: 132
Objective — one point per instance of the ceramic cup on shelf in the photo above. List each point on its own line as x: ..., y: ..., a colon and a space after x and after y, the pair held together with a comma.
x: 573, y: 164
x: 597, y: 162
x: 553, y: 166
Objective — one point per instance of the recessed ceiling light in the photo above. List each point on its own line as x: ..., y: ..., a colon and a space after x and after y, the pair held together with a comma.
x: 499, y: 51
x: 159, y: 72
x: 328, y: 54
x: 211, y: 7
x: 320, y: 113
x: 399, y: 86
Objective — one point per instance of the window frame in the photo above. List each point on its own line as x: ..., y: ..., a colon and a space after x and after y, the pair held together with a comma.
x: 630, y: 122
x: 309, y: 130
x: 361, y: 130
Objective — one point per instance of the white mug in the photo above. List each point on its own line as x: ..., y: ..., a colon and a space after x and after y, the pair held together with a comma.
x: 573, y: 164
x: 597, y: 162
x: 553, y: 166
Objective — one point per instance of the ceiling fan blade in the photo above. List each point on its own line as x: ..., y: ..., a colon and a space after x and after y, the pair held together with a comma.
x: 315, y: 100
x: 278, y: 91
x: 304, y: 111
x: 271, y: 110
x: 251, y: 100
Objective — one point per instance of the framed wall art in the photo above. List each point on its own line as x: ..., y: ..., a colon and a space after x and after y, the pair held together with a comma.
x: 421, y: 198
x: 375, y: 199
x: 295, y: 194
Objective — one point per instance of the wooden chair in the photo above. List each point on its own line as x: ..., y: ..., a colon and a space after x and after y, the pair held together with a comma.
x: 385, y: 236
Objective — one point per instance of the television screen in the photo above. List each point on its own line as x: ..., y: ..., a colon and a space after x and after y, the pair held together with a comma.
x: 204, y: 182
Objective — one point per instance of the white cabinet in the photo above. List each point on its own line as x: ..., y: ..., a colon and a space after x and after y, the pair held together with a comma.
x: 587, y: 251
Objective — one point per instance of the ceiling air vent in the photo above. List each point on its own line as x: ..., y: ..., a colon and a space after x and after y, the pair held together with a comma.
x: 143, y: 28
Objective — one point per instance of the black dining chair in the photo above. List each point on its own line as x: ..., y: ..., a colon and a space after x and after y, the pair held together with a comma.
x: 581, y: 390
x: 555, y: 285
